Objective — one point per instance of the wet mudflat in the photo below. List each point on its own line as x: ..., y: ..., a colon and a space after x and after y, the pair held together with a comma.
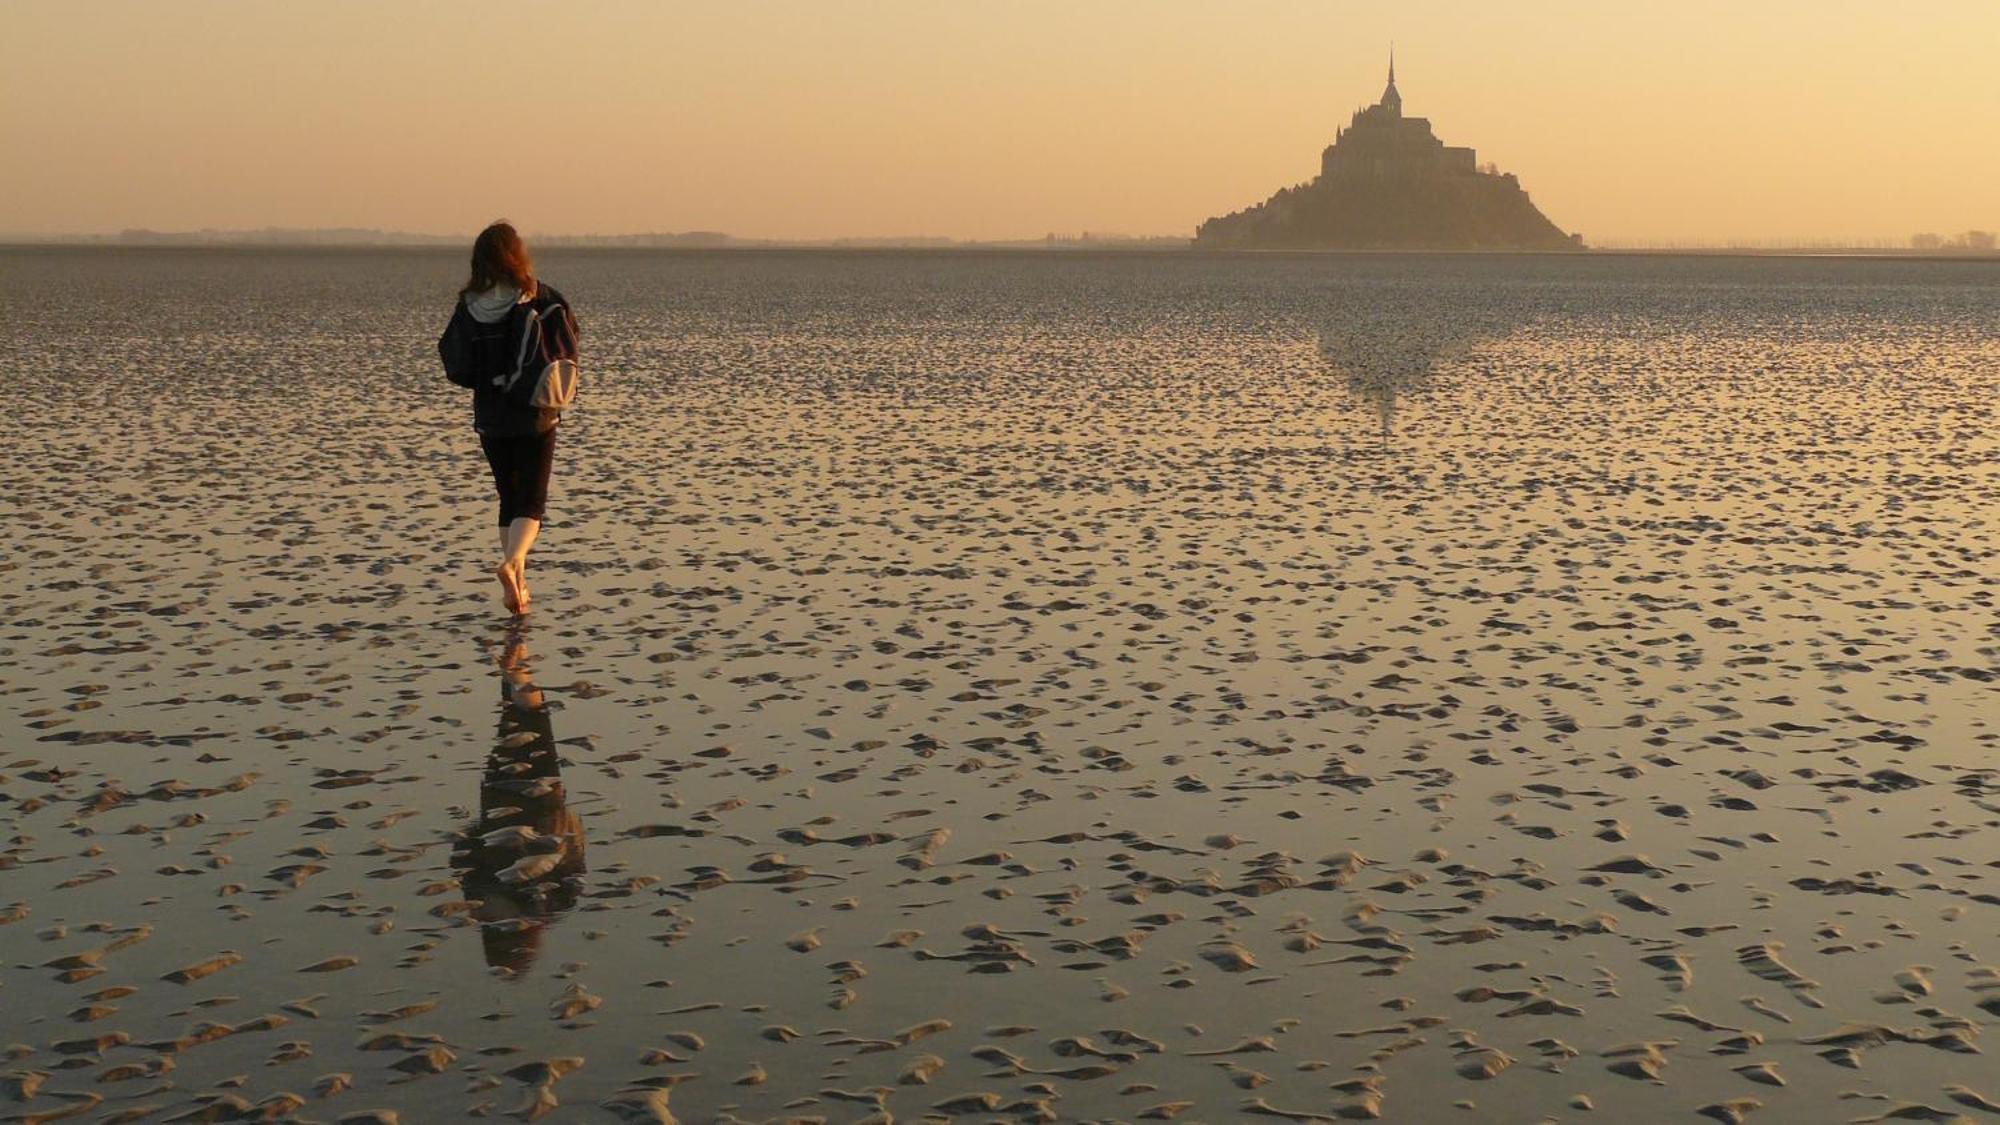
x: 1008, y: 688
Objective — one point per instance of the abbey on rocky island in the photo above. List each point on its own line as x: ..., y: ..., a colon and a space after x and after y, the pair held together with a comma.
x: 1388, y: 183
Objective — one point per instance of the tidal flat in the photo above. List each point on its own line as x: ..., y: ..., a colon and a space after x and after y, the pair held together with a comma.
x: 1024, y: 687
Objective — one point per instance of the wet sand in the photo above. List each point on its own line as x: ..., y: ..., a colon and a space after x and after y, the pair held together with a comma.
x: 1008, y: 688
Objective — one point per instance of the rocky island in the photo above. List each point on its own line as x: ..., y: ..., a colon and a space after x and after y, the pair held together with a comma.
x: 1388, y: 183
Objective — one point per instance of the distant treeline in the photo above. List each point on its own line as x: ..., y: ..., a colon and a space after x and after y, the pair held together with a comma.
x: 1977, y: 240
x: 358, y: 236
x: 269, y: 236
x: 1972, y: 241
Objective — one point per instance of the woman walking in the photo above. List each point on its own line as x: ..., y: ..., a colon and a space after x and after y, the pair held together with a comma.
x: 508, y: 332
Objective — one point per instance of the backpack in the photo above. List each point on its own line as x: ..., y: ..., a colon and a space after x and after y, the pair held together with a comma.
x: 530, y: 356
x: 545, y: 375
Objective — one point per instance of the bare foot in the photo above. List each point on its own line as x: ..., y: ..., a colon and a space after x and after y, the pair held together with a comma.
x: 510, y: 587
x: 521, y: 582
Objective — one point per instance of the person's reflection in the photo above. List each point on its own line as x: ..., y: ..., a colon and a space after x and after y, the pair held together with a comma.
x: 521, y: 863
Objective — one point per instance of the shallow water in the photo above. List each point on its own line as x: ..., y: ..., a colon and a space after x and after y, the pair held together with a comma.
x: 1059, y: 687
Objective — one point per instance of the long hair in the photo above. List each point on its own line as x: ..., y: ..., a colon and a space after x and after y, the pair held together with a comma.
x: 499, y: 257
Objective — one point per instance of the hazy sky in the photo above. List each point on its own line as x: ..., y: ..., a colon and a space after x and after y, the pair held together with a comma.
x: 1625, y: 119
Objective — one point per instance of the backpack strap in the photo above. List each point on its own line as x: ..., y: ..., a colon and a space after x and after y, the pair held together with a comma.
x: 530, y: 334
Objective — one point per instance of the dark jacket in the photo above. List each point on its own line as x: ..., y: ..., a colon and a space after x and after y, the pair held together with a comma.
x: 474, y: 352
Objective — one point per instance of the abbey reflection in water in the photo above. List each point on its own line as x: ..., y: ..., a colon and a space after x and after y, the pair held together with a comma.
x: 1388, y: 344
x: 521, y: 863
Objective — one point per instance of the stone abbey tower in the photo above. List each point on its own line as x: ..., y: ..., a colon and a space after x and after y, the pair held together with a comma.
x: 1388, y: 183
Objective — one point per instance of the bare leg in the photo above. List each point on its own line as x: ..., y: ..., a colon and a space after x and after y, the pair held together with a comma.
x: 515, y: 541
x: 509, y: 592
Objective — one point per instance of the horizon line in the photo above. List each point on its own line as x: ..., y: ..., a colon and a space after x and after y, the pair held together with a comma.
x: 697, y: 239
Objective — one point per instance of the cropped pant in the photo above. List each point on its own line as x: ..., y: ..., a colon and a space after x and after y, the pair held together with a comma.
x: 521, y: 467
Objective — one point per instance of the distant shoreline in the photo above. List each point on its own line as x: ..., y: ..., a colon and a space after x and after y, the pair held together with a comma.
x: 1135, y: 247
x: 281, y: 238
x: 365, y: 238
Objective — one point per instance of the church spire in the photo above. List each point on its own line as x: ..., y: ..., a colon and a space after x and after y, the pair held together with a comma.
x: 1392, y: 100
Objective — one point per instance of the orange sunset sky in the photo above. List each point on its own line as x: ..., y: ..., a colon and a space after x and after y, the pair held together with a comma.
x: 1693, y: 121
